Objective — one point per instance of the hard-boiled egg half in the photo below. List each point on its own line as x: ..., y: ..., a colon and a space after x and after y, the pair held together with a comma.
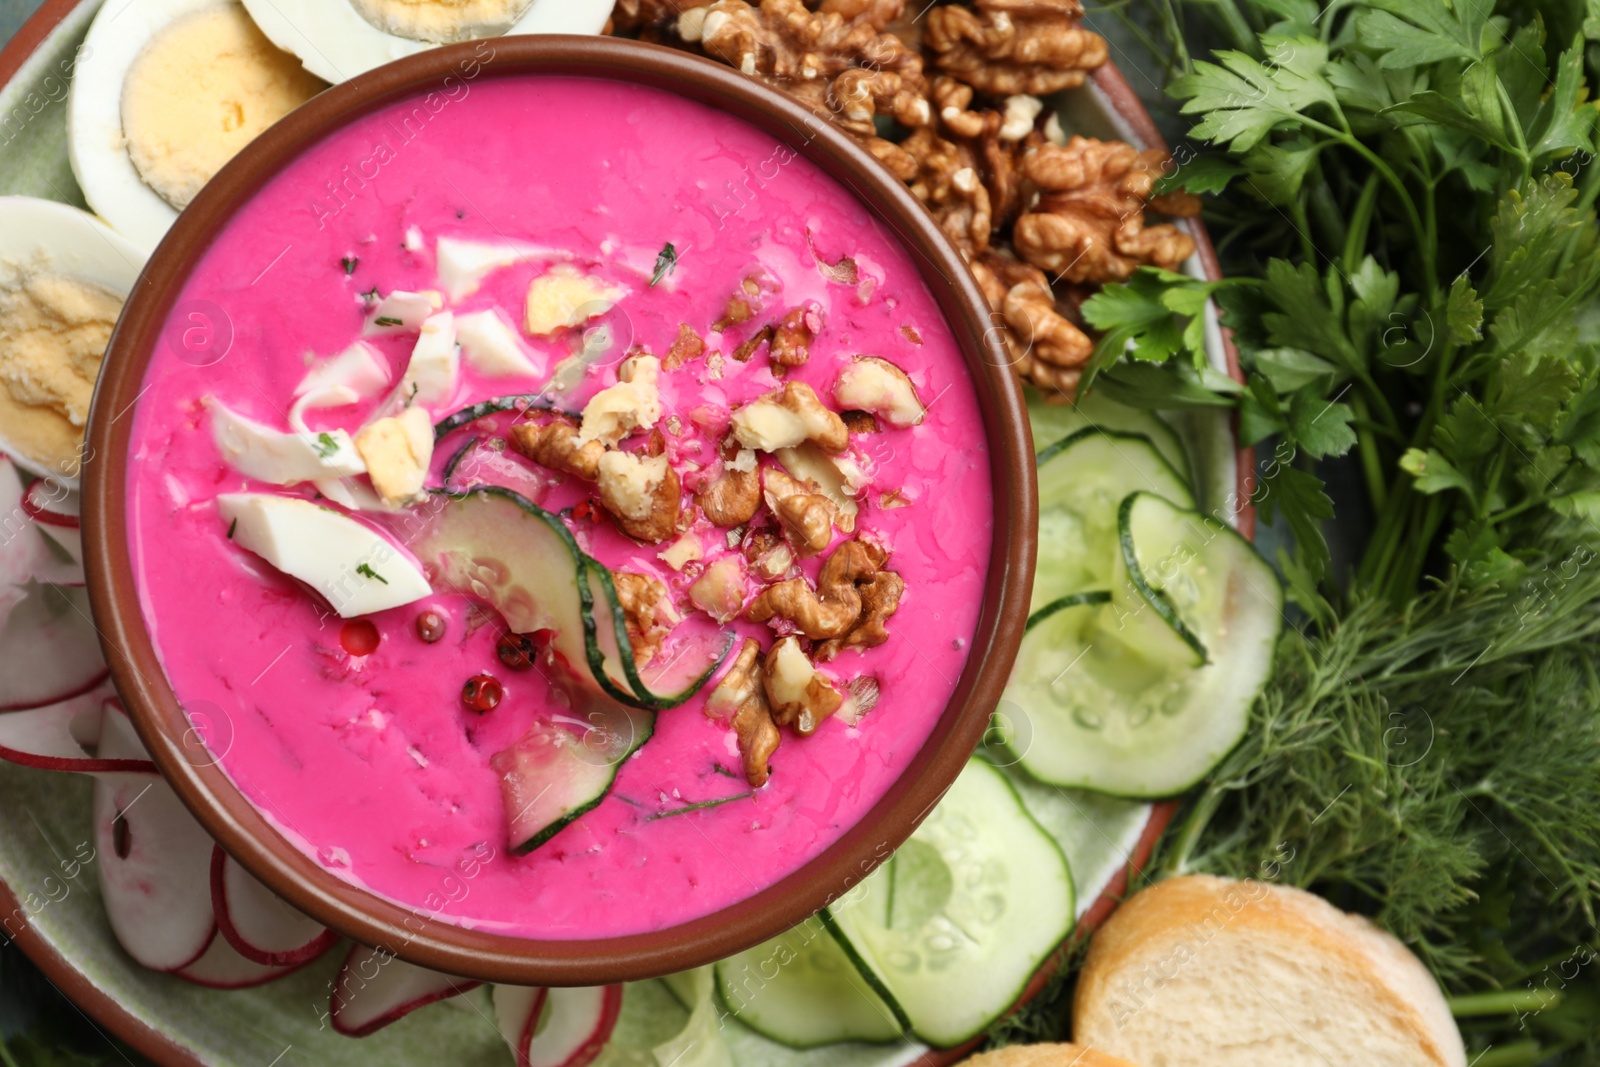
x: 63, y: 278
x: 338, y: 39
x: 175, y: 89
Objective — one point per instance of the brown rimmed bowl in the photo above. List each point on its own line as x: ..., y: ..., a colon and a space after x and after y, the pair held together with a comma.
x: 411, y: 934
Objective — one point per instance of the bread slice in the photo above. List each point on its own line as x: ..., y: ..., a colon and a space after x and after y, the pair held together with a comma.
x: 1208, y: 972
x: 1046, y: 1056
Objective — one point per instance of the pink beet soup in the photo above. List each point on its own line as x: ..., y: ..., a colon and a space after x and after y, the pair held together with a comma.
x: 359, y: 739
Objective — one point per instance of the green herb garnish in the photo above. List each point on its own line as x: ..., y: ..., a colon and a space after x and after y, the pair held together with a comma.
x: 326, y: 445
x: 232, y: 526
x: 371, y: 296
x: 349, y: 263
x: 387, y: 320
x: 666, y: 263
x: 366, y: 571
x: 702, y: 806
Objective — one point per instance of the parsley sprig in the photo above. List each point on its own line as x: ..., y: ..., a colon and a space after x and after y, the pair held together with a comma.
x: 1422, y: 160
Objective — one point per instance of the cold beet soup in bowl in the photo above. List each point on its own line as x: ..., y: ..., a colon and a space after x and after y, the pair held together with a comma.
x: 555, y: 511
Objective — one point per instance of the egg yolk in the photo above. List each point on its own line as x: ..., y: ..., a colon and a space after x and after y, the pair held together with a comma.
x: 442, y: 21
x: 53, y: 333
x: 202, y: 89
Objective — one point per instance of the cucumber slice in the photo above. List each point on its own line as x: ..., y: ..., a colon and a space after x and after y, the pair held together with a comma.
x: 976, y: 900
x: 1090, y: 703
x: 518, y: 402
x: 1157, y: 550
x: 800, y: 989
x: 699, y: 1042
x: 493, y: 543
x: 1082, y: 479
x: 688, y: 666
x: 1053, y: 422
x: 497, y: 545
x: 553, y: 775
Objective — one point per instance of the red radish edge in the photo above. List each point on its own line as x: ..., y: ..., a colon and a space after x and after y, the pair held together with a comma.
x: 1160, y: 815
x: 88, y: 687
x: 220, y: 967
x: 319, y: 944
x: 336, y: 1002
x: 85, y: 764
x: 592, y: 1046
x: 42, y: 513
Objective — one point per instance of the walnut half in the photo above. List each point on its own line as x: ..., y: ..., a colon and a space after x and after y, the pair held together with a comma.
x: 853, y: 598
x: 740, y: 700
x: 800, y: 695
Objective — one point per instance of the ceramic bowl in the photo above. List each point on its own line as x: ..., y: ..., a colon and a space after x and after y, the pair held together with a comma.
x: 237, y: 824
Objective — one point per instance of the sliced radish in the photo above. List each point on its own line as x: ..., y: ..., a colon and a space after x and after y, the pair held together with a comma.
x: 557, y: 1027
x: 155, y: 860
x: 49, y: 649
x: 52, y: 505
x: 261, y: 926
x: 220, y: 967
x: 374, y: 989
x: 27, y: 552
x: 61, y: 737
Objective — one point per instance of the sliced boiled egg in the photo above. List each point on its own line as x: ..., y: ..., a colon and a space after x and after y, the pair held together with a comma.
x: 338, y: 39
x: 357, y: 569
x: 463, y: 264
x: 491, y: 346
x: 282, y: 458
x: 175, y: 89
x: 63, y: 278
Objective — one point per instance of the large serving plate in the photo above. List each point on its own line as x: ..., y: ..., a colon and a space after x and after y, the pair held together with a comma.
x: 51, y: 905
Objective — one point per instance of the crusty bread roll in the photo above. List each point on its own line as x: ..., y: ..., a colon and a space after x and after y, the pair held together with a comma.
x: 1208, y: 972
x: 1045, y: 1056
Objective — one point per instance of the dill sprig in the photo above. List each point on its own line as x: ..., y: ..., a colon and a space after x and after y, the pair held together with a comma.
x: 1438, y: 768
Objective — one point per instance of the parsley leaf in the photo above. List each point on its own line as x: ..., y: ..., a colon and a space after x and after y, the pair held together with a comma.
x: 366, y: 571
x: 326, y: 445
x: 666, y: 263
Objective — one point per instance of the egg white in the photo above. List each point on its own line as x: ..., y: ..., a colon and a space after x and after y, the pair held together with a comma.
x: 335, y: 43
x: 50, y: 237
x: 95, y: 144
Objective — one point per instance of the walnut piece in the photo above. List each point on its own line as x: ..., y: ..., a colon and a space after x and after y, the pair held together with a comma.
x: 806, y: 515
x: 746, y: 300
x: 1046, y: 347
x: 740, y: 700
x: 987, y: 142
x: 838, y: 478
x: 686, y: 348
x: 770, y: 556
x: 834, y: 608
x: 948, y: 182
x: 841, y: 66
x: 875, y: 13
x: 1089, y: 223
x: 634, y: 403
x: 788, y: 417
x: 642, y: 492
x: 1014, y: 46
x: 798, y: 694
x: 792, y: 336
x: 647, y: 16
x: 719, y: 592
x: 734, y: 498
x: 555, y: 445
x: 876, y: 385
x: 880, y: 598
x: 648, y: 612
